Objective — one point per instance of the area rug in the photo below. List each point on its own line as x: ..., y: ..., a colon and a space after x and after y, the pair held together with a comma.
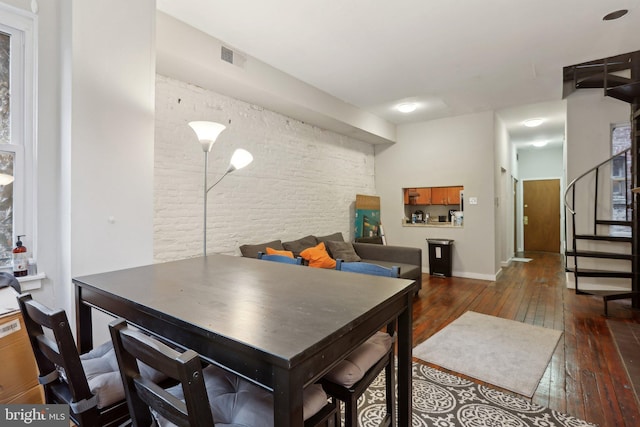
x: 445, y: 400
x: 521, y: 259
x: 509, y: 354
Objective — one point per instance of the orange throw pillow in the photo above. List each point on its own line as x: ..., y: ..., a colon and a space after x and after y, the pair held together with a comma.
x: 271, y: 251
x: 318, y: 257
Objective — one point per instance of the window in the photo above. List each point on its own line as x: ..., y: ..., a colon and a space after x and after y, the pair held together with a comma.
x: 17, y: 131
x: 620, y: 176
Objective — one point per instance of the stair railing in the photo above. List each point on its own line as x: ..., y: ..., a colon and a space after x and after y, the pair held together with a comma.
x: 571, y: 188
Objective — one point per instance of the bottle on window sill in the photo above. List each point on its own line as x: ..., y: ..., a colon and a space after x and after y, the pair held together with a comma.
x: 20, y: 259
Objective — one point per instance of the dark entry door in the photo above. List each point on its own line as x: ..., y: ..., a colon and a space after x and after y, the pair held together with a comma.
x: 541, y: 215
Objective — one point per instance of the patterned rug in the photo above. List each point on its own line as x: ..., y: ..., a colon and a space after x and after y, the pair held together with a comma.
x: 445, y: 400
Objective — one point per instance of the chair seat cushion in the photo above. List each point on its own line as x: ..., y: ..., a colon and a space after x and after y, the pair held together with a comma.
x: 103, y: 376
x: 236, y: 402
x: 351, y: 370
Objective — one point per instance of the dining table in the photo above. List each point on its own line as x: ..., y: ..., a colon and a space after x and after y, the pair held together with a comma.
x: 281, y: 326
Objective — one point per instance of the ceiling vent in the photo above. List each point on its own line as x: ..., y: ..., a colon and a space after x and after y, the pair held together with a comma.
x: 226, y: 55
x: 232, y: 57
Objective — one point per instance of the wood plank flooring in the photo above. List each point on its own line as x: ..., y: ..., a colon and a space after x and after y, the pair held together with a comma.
x: 586, y: 377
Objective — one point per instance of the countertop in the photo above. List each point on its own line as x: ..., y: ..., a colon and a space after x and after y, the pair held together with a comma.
x: 432, y: 224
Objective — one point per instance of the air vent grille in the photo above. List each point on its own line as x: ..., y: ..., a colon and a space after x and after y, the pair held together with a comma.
x: 226, y: 55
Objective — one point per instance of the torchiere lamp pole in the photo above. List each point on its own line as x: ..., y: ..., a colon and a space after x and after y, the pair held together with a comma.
x: 207, y: 133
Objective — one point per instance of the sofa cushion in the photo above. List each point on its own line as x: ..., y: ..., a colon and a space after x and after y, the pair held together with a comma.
x: 251, y: 251
x: 318, y: 257
x: 271, y: 251
x: 343, y: 251
x: 297, y: 246
x: 335, y: 237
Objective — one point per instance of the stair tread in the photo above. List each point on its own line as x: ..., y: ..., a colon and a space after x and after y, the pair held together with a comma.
x: 614, y: 222
x: 626, y: 92
x: 601, y: 237
x: 597, y: 81
x: 604, y: 293
x: 591, y: 272
x: 599, y: 254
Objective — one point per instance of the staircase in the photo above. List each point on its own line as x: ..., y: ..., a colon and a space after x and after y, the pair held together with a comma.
x: 611, y: 244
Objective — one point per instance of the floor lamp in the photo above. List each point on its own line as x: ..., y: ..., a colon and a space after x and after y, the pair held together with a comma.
x: 207, y: 133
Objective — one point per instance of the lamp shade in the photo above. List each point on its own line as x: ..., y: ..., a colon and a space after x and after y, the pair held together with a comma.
x: 240, y: 159
x: 207, y: 132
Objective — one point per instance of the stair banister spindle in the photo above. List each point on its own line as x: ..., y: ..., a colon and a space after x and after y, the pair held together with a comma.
x: 595, y: 204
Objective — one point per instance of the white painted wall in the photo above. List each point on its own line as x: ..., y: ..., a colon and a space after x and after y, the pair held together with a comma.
x: 112, y: 131
x: 444, y: 152
x: 303, y: 179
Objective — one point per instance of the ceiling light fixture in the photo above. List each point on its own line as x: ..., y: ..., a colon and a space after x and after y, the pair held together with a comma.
x: 615, y: 15
x: 540, y: 143
x: 407, y: 107
x: 531, y: 123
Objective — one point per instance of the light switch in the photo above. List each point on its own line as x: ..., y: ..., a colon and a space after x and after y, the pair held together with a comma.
x: 473, y: 200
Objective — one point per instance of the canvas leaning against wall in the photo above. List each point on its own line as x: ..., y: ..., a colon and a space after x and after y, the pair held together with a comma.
x: 367, y: 218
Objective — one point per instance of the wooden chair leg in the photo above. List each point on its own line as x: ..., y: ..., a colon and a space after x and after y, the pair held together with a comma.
x: 351, y: 412
x: 390, y: 381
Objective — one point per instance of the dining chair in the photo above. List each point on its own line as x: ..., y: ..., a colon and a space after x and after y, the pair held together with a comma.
x: 90, y: 383
x: 280, y: 258
x: 204, y: 396
x: 352, y: 376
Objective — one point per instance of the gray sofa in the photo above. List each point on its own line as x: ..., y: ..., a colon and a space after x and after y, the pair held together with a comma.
x: 408, y: 259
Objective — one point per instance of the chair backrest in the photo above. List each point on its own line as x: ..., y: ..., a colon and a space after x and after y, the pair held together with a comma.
x: 61, y: 352
x: 367, y: 268
x: 280, y: 258
x: 132, y: 346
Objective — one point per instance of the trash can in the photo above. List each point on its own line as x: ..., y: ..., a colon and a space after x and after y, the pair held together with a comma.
x: 440, y: 257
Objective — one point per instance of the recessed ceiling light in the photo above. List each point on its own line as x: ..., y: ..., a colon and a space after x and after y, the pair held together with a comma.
x: 615, y: 15
x: 531, y: 123
x: 540, y: 143
x: 407, y: 107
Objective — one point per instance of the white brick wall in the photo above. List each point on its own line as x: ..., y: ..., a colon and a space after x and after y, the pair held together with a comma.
x: 303, y: 179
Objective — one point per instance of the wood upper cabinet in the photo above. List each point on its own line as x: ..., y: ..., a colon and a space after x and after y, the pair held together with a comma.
x: 439, y: 195
x: 417, y: 196
x: 453, y: 195
x: 445, y: 195
x: 424, y: 196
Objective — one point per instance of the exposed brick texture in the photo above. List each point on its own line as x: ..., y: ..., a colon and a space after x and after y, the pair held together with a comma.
x: 303, y: 179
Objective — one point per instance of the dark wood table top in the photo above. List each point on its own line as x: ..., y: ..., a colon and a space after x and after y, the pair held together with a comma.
x: 283, y: 312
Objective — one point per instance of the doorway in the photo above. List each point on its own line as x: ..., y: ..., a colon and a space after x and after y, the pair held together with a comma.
x: 541, y: 215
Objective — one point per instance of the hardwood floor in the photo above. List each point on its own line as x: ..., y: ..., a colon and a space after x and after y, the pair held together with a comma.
x: 586, y: 377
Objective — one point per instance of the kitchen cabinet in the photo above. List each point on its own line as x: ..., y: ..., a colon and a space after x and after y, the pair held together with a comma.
x: 445, y: 195
x: 439, y: 195
x: 417, y: 196
x: 453, y: 195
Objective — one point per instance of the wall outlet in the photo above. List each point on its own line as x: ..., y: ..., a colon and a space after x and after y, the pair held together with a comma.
x: 473, y: 200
